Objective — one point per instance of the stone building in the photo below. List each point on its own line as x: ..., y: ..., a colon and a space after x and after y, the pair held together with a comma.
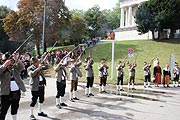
x: 127, y: 29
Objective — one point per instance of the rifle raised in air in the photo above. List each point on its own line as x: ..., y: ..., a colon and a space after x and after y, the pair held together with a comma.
x: 45, y: 57
x: 27, y: 39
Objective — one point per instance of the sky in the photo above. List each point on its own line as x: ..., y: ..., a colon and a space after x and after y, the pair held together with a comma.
x: 72, y: 4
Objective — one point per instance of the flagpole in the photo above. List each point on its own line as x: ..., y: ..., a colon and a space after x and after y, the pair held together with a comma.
x: 112, y: 61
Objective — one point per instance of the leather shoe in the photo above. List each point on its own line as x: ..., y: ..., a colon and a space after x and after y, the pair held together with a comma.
x: 133, y: 89
x: 32, y: 117
x: 76, y: 98
x: 121, y: 90
x: 91, y: 94
x: 72, y: 100
x: 104, y: 91
x: 42, y: 114
x: 63, y: 104
x: 87, y: 95
x: 58, y: 106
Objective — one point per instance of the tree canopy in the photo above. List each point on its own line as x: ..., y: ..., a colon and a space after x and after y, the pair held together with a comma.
x: 60, y: 24
x: 29, y: 17
x: 156, y: 15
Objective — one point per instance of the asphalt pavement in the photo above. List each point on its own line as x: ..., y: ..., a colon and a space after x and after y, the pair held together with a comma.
x: 140, y: 104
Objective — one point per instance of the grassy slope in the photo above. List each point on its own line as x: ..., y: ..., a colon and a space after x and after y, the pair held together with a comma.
x: 143, y: 50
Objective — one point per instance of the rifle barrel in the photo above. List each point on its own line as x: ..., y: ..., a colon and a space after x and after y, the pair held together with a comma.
x: 49, y: 51
x: 69, y: 53
x: 23, y: 43
x: 53, y: 46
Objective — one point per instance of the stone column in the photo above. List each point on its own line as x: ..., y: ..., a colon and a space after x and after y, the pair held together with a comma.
x: 122, y: 18
x: 126, y: 22
x: 130, y: 16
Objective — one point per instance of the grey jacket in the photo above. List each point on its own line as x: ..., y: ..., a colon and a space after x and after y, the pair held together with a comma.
x: 34, y: 78
x: 59, y: 72
x: 103, y: 70
x: 5, y: 78
x: 75, y: 71
x: 120, y: 70
x: 89, y: 70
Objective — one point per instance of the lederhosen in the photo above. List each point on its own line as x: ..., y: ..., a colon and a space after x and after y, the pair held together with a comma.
x: 90, y: 80
x: 103, y: 79
x: 147, y: 74
x: 176, y: 74
x: 12, y: 99
x: 120, y: 76
x: 61, y: 86
x: 132, y: 76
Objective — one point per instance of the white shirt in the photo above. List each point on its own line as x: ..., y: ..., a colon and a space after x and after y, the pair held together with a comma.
x: 14, y: 86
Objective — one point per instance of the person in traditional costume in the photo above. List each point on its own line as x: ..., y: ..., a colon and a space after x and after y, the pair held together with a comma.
x: 120, y: 75
x: 37, y: 85
x: 74, y: 74
x: 157, y: 75
x: 147, y: 74
x: 176, y: 72
x: 11, y: 84
x: 61, y: 76
x: 132, y: 75
x: 103, y: 73
x: 89, y: 76
x: 166, y: 76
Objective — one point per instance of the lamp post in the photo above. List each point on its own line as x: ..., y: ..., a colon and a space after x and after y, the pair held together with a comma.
x: 44, y: 21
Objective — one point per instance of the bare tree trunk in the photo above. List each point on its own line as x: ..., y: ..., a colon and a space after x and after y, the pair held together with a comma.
x: 153, y: 37
x: 160, y: 35
x: 172, y: 31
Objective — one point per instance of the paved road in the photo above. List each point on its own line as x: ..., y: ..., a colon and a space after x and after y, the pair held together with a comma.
x: 141, y: 104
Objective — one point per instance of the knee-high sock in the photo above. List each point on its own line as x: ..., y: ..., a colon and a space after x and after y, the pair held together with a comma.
x: 132, y: 85
x: 120, y: 86
x: 149, y: 83
x: 144, y: 83
x: 14, y: 117
x: 100, y: 89
x: 57, y: 101
x: 90, y: 90
x: 86, y: 91
x: 117, y: 87
x: 128, y: 85
x: 177, y: 83
x: 74, y: 94
x: 70, y: 95
x: 103, y: 89
x: 60, y: 99
x: 174, y: 83
x: 40, y: 107
x: 31, y: 110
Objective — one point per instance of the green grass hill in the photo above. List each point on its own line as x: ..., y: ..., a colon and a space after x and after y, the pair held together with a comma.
x: 144, y: 50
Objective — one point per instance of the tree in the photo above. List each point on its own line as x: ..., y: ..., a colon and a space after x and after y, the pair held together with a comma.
x: 3, y: 36
x: 145, y: 18
x: 112, y: 17
x: 28, y: 19
x: 156, y: 15
x: 77, y: 28
x: 168, y: 14
x: 94, y: 20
